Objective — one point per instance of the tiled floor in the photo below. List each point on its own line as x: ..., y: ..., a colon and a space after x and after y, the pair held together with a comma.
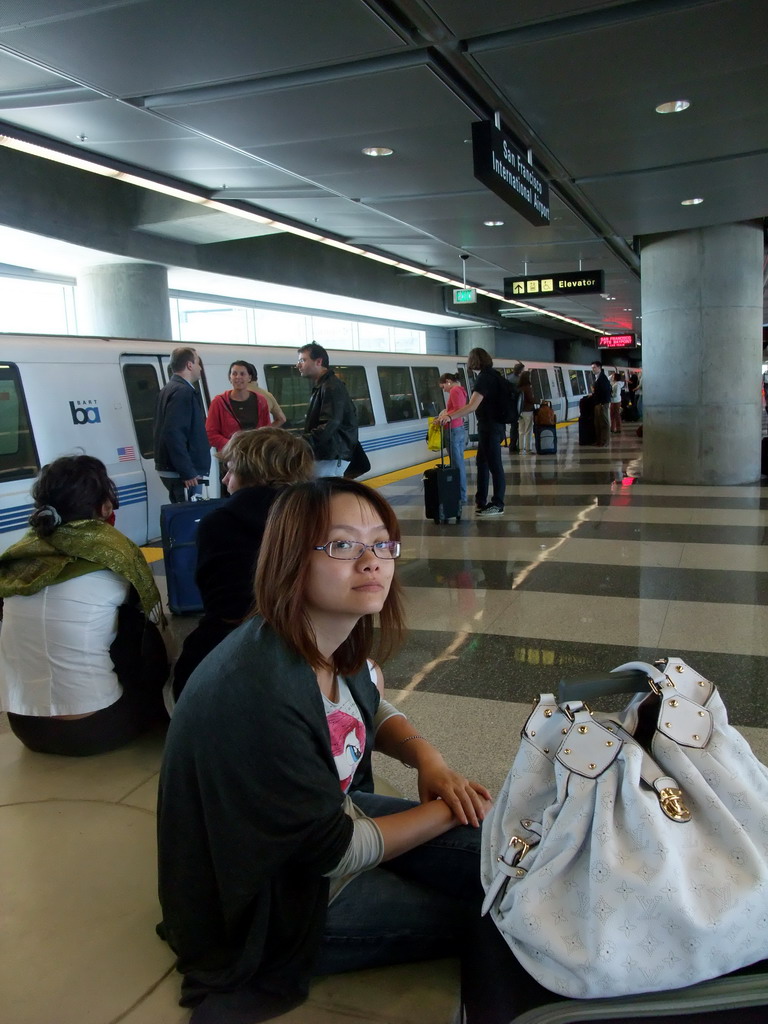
x: 588, y: 568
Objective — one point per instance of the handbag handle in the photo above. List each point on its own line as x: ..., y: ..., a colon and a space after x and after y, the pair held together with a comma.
x: 633, y: 677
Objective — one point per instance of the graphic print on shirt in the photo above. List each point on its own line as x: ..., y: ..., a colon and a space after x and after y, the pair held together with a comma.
x: 347, y: 744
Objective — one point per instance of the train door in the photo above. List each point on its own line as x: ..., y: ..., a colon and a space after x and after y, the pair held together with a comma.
x: 466, y: 382
x: 144, y: 377
x: 19, y: 460
x: 560, y: 386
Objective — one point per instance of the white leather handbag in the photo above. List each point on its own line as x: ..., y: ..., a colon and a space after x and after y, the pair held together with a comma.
x: 628, y: 853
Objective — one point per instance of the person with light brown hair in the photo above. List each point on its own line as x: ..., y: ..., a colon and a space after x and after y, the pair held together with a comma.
x: 277, y: 862
x: 487, y: 403
x: 259, y: 463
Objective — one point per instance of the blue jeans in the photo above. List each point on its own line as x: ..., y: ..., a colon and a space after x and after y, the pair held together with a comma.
x: 458, y: 442
x: 421, y: 905
x: 489, y: 438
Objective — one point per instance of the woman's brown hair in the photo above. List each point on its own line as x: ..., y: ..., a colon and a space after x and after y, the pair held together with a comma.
x: 269, y: 456
x: 299, y: 519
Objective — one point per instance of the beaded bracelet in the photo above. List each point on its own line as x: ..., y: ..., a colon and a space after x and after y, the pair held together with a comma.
x: 407, y: 739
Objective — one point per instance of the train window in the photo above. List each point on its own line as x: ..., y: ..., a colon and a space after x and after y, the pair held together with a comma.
x: 18, y: 453
x: 576, y: 378
x: 143, y: 387
x: 540, y: 384
x: 428, y: 394
x: 357, y: 386
x: 291, y: 392
x: 559, y: 381
x: 397, y: 393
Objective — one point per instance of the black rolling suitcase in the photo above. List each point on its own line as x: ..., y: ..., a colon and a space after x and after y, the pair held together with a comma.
x: 587, y: 433
x: 442, y: 492
x: 495, y: 989
x: 178, y: 531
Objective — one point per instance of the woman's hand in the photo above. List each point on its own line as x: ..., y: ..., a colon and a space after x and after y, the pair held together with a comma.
x: 442, y: 417
x: 469, y: 801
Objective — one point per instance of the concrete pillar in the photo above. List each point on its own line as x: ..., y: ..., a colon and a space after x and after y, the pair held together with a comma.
x: 476, y: 337
x: 124, y: 300
x: 702, y: 301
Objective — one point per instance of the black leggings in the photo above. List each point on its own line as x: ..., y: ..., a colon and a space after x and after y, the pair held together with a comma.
x: 104, y: 730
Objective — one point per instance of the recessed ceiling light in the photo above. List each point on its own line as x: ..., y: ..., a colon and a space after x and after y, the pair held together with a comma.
x: 673, y: 107
x: 691, y: 202
x: 494, y: 223
x: 378, y: 151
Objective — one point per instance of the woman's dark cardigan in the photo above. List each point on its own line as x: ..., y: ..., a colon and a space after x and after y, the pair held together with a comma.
x: 250, y: 818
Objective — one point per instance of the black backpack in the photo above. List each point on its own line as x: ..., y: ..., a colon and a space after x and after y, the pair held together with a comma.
x: 510, y: 400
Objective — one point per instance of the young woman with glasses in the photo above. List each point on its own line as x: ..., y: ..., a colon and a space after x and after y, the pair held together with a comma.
x: 277, y: 861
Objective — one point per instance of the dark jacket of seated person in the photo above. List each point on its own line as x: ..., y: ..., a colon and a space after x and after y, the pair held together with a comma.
x: 82, y: 664
x: 259, y: 464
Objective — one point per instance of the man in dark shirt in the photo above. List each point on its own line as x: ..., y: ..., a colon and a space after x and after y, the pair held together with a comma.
x: 601, y: 389
x: 487, y: 404
x: 182, y: 452
x: 330, y: 425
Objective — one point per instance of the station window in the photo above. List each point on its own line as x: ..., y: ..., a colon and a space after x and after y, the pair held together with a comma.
x: 428, y: 394
x: 540, y: 385
x: 397, y: 393
x: 576, y: 378
x: 18, y: 453
x: 143, y: 387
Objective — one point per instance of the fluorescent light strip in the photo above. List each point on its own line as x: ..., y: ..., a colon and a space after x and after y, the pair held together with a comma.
x: 45, y: 153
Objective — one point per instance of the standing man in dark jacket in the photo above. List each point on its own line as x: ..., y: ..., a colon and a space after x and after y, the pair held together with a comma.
x: 182, y: 452
x: 330, y: 426
x: 601, y: 389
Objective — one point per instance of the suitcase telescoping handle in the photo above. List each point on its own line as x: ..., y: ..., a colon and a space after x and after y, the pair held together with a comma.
x: 589, y: 685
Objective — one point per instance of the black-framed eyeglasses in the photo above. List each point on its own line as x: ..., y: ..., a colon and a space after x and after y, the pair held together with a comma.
x: 351, y: 549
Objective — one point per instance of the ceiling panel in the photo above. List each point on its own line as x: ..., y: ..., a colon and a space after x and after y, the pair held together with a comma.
x: 484, y: 16
x: 316, y: 114
x: 131, y: 49
x: 733, y: 190
x: 295, y: 90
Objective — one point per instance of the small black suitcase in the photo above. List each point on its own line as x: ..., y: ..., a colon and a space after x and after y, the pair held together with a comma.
x: 442, y: 492
x: 587, y: 432
x: 495, y: 989
x: 178, y: 531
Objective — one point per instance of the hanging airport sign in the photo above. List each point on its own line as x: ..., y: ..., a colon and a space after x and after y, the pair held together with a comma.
x: 502, y: 168
x: 617, y: 341
x: 464, y: 295
x: 581, y: 282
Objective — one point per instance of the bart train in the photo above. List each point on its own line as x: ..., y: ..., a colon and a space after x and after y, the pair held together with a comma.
x: 60, y: 395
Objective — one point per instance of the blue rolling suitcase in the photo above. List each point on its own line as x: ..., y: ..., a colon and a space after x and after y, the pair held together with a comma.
x: 178, y: 531
x: 545, y: 429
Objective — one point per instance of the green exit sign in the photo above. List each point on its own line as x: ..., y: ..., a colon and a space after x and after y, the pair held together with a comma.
x: 464, y: 295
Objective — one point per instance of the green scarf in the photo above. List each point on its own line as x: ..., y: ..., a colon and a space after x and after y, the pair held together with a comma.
x: 73, y: 550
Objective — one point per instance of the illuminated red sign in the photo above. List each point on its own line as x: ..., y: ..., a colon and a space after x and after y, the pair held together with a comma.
x: 616, y: 341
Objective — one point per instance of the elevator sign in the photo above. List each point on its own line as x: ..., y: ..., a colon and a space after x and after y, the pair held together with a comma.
x: 502, y: 168
x: 582, y: 282
x: 616, y: 341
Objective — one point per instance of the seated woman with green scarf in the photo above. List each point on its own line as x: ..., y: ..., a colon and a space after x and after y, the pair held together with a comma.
x: 82, y: 663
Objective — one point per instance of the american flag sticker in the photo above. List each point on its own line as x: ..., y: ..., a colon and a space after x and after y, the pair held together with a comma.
x: 127, y: 454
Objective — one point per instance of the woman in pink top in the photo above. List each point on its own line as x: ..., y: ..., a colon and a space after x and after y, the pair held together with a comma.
x: 457, y: 431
